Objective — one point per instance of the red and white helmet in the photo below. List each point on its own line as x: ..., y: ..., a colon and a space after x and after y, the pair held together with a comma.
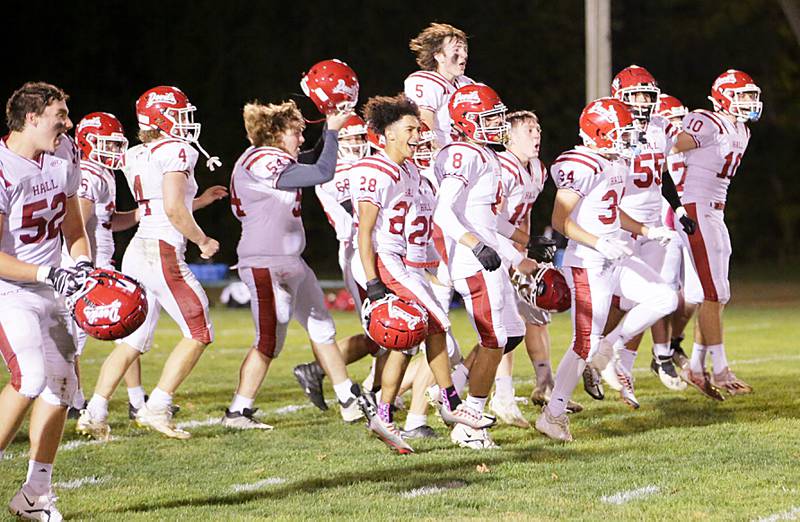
x: 607, y: 125
x: 394, y: 323
x: 332, y: 85
x: 101, y: 139
x: 110, y: 305
x: 423, y: 152
x: 376, y: 141
x: 547, y: 289
x: 633, y: 80
x: 168, y: 109
x: 471, y: 106
x: 671, y: 108
x: 727, y: 95
x: 350, y: 150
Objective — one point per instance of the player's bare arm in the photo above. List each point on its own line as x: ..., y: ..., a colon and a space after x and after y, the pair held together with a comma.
x: 209, y: 196
x: 174, y: 187
x: 367, y: 217
x: 684, y: 142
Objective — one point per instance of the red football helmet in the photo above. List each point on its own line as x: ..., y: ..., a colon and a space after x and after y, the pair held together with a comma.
x: 101, y: 139
x: 607, y: 125
x: 394, y: 323
x: 168, y: 109
x: 671, y: 108
x: 546, y: 289
x: 376, y: 141
x: 472, y: 106
x: 350, y: 149
x: 332, y: 85
x: 109, y: 306
x: 727, y: 95
x: 423, y: 152
x: 634, y: 80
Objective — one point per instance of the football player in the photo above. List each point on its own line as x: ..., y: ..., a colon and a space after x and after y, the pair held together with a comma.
x: 469, y: 200
x: 713, y: 143
x: 598, y: 263
x: 160, y: 174
x: 266, y: 191
x: 38, y: 204
x: 441, y: 52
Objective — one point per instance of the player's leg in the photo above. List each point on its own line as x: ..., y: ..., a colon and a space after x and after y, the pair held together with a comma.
x: 416, y: 425
x: 503, y: 402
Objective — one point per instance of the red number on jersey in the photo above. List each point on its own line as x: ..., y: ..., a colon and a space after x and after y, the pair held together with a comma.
x: 732, y: 161
x: 343, y: 186
x: 368, y: 184
x: 677, y: 167
x: 236, y: 202
x: 651, y: 173
x: 566, y: 177
x: 696, y: 125
x: 397, y: 224
x: 498, y: 198
x: 298, y: 199
x: 138, y: 193
x: 613, y: 200
x: 457, y: 158
x: 521, y: 212
x: 418, y: 90
x: 44, y: 229
x: 182, y: 155
x: 421, y: 236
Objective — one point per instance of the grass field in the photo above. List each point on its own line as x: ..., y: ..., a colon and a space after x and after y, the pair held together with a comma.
x: 679, y: 457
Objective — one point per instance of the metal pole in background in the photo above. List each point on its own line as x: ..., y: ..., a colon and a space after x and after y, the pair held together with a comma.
x: 598, y: 48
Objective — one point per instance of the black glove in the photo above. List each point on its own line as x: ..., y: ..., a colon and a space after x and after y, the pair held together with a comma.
x: 688, y: 224
x: 376, y: 289
x: 63, y: 280
x: 487, y: 257
x: 542, y: 249
x: 83, y: 268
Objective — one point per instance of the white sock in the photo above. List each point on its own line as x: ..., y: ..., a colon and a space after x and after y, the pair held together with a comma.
x: 567, y: 376
x: 697, y: 360
x: 460, y: 376
x: 415, y: 420
x: 343, y: 392
x: 476, y: 403
x: 718, y: 358
x: 504, y: 387
x: 40, y: 476
x: 662, y: 350
x: 627, y: 358
x: 239, y: 403
x: 136, y: 396
x: 98, y: 407
x: 159, y: 400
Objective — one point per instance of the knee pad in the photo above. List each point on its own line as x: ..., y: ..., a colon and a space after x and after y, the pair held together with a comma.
x: 666, y: 302
x: 31, y: 384
x: 512, y: 343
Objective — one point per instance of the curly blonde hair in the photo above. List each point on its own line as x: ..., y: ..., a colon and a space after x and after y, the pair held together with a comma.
x: 430, y: 42
x: 266, y: 123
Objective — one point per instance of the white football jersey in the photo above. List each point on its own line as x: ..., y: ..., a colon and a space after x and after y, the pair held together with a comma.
x: 676, y: 165
x: 432, y: 91
x: 711, y: 166
x: 332, y: 194
x: 522, y: 184
x: 144, y: 169
x: 271, y: 218
x: 33, y: 198
x: 393, y: 189
x: 600, y: 183
x: 642, y: 199
x: 420, y: 250
x: 99, y: 186
x: 477, y: 204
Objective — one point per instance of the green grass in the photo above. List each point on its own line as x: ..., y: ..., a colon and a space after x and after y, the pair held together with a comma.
x: 735, y: 460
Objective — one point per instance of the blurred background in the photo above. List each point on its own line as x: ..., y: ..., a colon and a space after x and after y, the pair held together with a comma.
x: 223, y: 54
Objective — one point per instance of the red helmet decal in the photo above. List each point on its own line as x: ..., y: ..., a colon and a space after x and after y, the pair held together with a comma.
x: 332, y: 85
x: 101, y: 139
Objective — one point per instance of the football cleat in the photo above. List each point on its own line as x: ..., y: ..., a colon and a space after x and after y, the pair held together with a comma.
x: 368, y: 404
x: 97, y: 429
x: 244, y: 420
x: 310, y: 377
x: 74, y: 413
x: 389, y: 434
x: 592, y: 384
x: 433, y: 395
x: 625, y: 380
x: 665, y: 369
x: 556, y: 428
x: 463, y: 414
x: 160, y: 420
x: 702, y: 382
x: 508, y: 412
x: 679, y: 357
x: 471, y: 438
x: 541, y: 397
x: 602, y: 356
x: 420, y: 432
x: 174, y: 408
x: 609, y: 376
x: 727, y: 381
x: 35, y: 507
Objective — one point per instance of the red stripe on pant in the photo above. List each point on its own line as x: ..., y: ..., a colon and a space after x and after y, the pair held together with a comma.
x: 190, y: 306
x: 267, y: 316
x: 11, y: 360
x: 482, y: 310
x: 434, y: 326
x: 697, y: 245
x: 582, y: 343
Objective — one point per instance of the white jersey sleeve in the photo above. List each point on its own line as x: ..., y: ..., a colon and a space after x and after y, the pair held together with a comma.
x: 98, y: 186
x: 431, y: 91
x: 68, y: 150
x: 332, y: 195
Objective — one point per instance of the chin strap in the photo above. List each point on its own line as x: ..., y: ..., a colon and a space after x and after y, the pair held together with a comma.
x: 213, y: 161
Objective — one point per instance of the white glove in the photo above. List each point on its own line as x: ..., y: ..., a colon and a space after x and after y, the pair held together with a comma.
x: 661, y: 234
x: 612, y: 248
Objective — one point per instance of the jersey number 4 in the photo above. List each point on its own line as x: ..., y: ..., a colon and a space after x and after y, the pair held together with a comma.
x: 44, y: 229
x: 138, y: 193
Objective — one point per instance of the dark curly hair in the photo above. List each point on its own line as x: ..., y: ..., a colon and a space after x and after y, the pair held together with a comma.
x: 382, y: 111
x: 31, y: 97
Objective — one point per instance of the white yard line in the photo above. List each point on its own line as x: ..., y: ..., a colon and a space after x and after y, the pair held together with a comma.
x: 792, y: 514
x: 210, y: 421
x: 79, y: 443
x: 433, y: 489
x: 255, y: 486
x: 626, y: 496
x: 79, y: 483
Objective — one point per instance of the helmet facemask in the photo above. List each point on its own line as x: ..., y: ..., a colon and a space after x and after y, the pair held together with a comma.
x: 641, y: 110
x: 108, y: 151
x: 742, y: 109
x: 183, y: 124
x: 495, y: 133
x: 350, y: 150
